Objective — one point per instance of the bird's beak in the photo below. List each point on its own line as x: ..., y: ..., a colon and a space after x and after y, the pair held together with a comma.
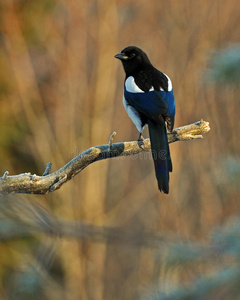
x: 121, y: 57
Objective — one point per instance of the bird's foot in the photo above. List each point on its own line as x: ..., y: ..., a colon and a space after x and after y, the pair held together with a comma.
x: 140, y: 141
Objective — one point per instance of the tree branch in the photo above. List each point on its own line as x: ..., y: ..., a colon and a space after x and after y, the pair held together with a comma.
x: 34, y: 184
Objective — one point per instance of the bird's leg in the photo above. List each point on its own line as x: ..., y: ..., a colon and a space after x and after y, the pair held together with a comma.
x: 140, y: 140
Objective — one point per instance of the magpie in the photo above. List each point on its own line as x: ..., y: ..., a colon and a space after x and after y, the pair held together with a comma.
x: 149, y: 100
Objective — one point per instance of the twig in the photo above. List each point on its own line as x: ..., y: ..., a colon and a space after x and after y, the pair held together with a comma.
x: 111, y: 139
x: 29, y: 184
x: 4, y: 175
x: 47, y: 169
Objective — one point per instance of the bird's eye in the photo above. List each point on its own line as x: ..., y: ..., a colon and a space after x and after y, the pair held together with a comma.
x: 132, y: 55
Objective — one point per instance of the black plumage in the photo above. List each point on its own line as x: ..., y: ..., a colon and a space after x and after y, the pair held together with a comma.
x: 149, y: 99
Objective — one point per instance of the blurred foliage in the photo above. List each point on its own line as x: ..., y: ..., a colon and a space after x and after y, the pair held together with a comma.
x: 225, y: 65
x: 220, y: 275
x: 110, y: 233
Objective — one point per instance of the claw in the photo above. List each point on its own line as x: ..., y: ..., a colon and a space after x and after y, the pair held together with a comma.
x: 140, y: 140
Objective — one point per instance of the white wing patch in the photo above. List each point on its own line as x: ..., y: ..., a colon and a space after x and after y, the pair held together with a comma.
x: 169, y: 83
x: 132, y: 87
x: 133, y: 115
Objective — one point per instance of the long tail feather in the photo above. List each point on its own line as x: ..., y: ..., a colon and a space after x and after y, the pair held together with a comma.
x: 160, y: 153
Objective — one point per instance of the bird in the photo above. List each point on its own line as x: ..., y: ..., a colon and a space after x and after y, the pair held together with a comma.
x: 149, y: 100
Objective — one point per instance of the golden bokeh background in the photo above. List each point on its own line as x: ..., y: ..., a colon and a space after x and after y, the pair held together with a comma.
x: 61, y: 93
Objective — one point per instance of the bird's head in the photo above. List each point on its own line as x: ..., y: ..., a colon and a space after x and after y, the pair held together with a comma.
x: 133, y: 59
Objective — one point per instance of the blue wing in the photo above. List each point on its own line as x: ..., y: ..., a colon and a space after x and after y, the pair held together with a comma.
x: 154, y: 105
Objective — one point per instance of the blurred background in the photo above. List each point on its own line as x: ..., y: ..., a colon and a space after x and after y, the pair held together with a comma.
x: 109, y: 233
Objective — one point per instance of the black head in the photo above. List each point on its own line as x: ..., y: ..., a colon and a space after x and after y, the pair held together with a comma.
x: 133, y: 59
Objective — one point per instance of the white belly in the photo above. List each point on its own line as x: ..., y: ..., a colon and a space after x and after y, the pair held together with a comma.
x: 133, y: 115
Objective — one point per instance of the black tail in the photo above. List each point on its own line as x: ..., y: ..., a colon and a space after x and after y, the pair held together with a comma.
x: 160, y: 153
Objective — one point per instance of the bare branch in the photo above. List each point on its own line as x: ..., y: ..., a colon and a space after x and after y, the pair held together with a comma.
x: 34, y: 184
